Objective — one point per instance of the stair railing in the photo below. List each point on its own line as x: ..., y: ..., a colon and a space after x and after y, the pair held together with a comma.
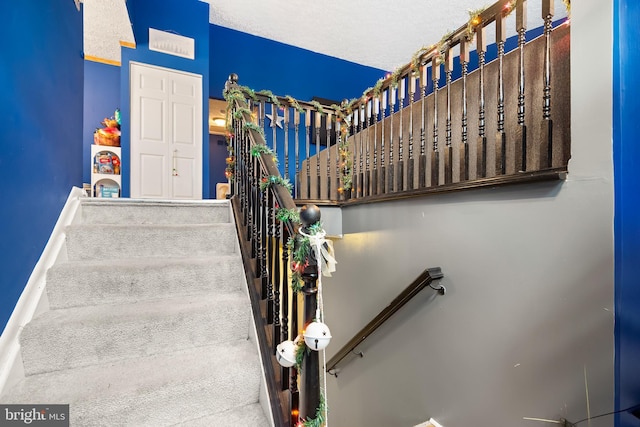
x: 267, y: 226
x: 462, y: 114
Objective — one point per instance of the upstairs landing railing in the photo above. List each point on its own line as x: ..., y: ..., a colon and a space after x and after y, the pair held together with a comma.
x: 450, y: 119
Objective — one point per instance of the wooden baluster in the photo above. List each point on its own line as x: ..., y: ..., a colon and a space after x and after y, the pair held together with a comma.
x: 393, y: 94
x: 274, y: 127
x: 481, y: 43
x: 311, y: 366
x: 307, y: 134
x: 410, y: 160
x: 501, y: 137
x: 286, y: 142
x: 422, y: 164
x: 448, y: 151
x: 278, y: 284
x: 264, y: 242
x: 366, y: 181
x: 296, y: 148
x: 376, y: 118
x: 383, y: 176
x: 546, y: 148
x: 328, y: 129
x: 400, y: 176
x: 356, y: 134
x: 294, y: 394
x: 521, y: 132
x: 464, y: 148
x: 271, y: 224
x: 244, y: 175
x: 361, y: 153
x: 284, y: 375
x: 317, y: 124
x: 338, y: 137
x: 261, y: 113
x: 435, y: 157
x: 254, y: 170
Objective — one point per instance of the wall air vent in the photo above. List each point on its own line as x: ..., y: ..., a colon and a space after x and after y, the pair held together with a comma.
x: 171, y: 44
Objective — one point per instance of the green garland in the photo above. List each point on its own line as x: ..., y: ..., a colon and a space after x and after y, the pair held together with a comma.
x: 253, y: 126
x: 250, y: 92
x: 346, y: 161
x: 300, y: 255
x: 271, y: 180
x: 475, y: 19
x: 258, y: 149
x: 317, y: 106
x: 377, y: 88
x: 294, y: 103
x: 301, y: 351
x: 416, y: 58
x: 321, y: 411
x: 274, y: 99
x: 238, y: 114
x: 395, y: 76
x: 284, y: 215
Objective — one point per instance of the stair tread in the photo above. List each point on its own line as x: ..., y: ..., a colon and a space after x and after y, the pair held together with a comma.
x: 114, y: 211
x: 92, y: 282
x: 247, y: 415
x: 117, y: 241
x: 71, y: 337
x: 134, y: 309
x: 169, y: 387
x: 146, y: 260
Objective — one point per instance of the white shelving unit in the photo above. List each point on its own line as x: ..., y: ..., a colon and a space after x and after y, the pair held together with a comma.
x: 106, y: 178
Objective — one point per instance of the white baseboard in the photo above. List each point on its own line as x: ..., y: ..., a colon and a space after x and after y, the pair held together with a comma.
x: 32, y: 295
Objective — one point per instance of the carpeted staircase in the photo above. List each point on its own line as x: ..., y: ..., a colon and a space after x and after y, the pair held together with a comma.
x: 148, y: 323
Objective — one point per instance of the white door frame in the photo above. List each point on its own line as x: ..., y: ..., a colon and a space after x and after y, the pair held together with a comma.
x: 199, y: 136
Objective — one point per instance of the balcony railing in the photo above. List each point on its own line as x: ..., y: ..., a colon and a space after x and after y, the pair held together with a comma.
x: 451, y: 119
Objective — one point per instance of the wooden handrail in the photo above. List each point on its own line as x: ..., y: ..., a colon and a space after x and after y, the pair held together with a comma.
x: 423, y: 280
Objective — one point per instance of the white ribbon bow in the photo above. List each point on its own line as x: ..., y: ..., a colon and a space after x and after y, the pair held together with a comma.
x: 323, y: 250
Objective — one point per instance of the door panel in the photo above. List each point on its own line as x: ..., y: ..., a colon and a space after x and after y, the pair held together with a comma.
x: 153, y: 182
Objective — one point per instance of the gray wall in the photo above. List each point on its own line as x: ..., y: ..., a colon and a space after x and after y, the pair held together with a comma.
x: 528, y: 315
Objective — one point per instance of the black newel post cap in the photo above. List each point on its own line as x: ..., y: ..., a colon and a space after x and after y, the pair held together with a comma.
x: 232, y: 80
x: 309, y: 214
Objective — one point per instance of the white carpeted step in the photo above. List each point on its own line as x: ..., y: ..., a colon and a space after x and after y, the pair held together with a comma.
x: 127, y: 211
x: 93, y: 282
x: 82, y: 336
x: 114, y: 241
x: 160, y: 390
x: 248, y: 415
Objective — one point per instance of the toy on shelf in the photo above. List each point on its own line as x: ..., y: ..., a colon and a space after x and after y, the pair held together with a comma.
x: 109, y: 134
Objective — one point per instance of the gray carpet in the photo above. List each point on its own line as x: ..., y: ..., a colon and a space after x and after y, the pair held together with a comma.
x: 148, y: 321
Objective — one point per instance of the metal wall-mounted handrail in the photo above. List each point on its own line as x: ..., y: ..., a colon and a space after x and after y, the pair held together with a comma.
x: 425, y: 279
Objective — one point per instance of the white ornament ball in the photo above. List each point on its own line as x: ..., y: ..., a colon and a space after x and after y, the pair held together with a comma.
x: 317, y: 336
x: 286, y: 353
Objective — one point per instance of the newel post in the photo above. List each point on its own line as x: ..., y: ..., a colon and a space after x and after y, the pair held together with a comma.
x: 309, y: 215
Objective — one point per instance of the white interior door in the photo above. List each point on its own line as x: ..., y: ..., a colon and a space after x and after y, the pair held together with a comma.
x: 166, y: 133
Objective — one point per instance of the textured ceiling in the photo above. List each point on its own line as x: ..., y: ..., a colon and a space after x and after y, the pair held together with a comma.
x: 379, y: 33
x: 106, y: 23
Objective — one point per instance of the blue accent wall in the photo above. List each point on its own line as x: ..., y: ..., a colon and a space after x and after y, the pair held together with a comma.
x: 283, y: 69
x: 101, y: 98
x: 41, y: 91
x: 626, y: 161
x: 189, y: 18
